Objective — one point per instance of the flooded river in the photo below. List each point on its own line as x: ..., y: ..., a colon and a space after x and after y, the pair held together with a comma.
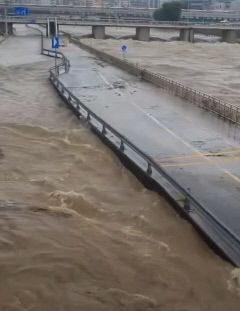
x: 77, y: 230
x: 209, y: 66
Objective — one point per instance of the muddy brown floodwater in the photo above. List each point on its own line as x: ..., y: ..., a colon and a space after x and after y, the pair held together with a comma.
x: 77, y: 230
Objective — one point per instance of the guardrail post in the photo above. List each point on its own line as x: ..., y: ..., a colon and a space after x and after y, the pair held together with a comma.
x: 103, y: 129
x: 187, y: 207
x: 41, y: 43
x: 88, y: 116
x: 121, y: 148
x: 149, y: 169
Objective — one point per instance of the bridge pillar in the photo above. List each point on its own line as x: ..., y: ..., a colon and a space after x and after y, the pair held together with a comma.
x: 98, y: 32
x: 51, y: 29
x: 142, y: 33
x: 186, y: 34
x: 9, y: 28
x: 229, y: 35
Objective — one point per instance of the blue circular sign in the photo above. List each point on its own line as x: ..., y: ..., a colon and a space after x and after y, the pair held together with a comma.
x: 124, y: 48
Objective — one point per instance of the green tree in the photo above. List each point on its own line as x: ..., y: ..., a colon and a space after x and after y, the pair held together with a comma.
x: 170, y: 11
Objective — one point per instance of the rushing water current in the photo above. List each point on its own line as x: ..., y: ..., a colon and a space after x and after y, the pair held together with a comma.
x: 77, y: 230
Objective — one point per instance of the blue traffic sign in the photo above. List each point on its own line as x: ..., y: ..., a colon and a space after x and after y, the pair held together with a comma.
x: 21, y: 11
x: 124, y: 51
x: 55, y: 42
x: 124, y: 48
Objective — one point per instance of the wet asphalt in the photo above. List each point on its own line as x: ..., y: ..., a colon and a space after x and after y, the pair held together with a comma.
x: 198, y: 149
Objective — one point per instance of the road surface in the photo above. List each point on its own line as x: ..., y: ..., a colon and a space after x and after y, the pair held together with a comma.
x: 200, y: 151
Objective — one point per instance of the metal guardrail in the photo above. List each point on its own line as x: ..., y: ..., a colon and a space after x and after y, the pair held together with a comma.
x: 201, y: 217
x: 64, y: 64
x: 116, y: 22
x: 43, y: 18
x: 225, y: 110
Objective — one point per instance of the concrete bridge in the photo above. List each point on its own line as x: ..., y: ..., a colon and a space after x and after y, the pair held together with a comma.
x: 228, y: 33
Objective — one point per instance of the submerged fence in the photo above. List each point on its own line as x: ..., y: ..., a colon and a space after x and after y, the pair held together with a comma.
x: 205, y: 101
x: 222, y: 237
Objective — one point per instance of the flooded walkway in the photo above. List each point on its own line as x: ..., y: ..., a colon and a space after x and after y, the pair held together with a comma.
x: 82, y: 232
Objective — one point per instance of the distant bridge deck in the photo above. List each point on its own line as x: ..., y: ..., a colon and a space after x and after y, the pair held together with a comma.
x: 78, y: 21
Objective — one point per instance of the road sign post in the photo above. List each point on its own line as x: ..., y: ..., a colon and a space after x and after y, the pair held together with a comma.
x: 124, y: 51
x: 55, y: 42
x: 55, y: 46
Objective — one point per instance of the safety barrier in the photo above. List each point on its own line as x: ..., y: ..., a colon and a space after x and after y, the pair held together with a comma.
x: 63, y: 66
x: 225, y: 240
x: 205, y: 101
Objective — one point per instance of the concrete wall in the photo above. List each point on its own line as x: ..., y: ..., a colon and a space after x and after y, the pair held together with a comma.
x: 131, y: 68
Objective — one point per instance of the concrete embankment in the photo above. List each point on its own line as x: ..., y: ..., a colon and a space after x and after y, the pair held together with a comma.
x: 205, y: 101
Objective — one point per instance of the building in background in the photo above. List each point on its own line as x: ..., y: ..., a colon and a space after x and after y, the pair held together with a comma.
x: 199, y: 4
x: 154, y: 4
x: 213, y: 4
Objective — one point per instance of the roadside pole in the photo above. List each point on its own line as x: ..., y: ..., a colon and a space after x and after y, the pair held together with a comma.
x: 55, y: 61
x: 55, y: 46
x: 48, y: 27
x: 6, y: 22
x: 56, y: 28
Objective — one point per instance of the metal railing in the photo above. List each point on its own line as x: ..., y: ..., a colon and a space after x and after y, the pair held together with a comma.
x: 214, y: 230
x: 63, y: 65
x: 81, y: 20
x: 115, y: 22
x: 225, y: 110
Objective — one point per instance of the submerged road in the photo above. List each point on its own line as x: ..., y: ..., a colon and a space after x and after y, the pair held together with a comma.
x: 200, y: 151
